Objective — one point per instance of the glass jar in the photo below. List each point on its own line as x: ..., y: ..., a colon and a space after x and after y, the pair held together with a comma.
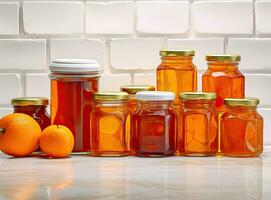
x: 224, y: 78
x: 177, y: 73
x: 35, y: 107
x: 154, y: 124
x: 73, y: 82
x: 108, y: 124
x: 198, y: 124
x: 241, y: 128
x: 132, y: 90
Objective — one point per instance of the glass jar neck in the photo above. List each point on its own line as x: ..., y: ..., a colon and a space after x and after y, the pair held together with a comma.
x: 108, y: 103
x: 155, y: 104
x: 222, y: 66
x: 239, y: 109
x: 177, y: 59
x: 30, y: 108
x: 201, y: 103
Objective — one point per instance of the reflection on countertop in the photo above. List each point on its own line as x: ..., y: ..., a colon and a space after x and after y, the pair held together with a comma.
x: 132, y: 178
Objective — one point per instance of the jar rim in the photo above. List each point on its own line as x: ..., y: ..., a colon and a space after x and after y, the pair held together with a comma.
x: 248, y: 101
x: 198, y: 95
x: 30, y: 101
x: 173, y: 52
x: 133, y: 89
x: 110, y: 96
x: 223, y: 57
x: 155, y: 96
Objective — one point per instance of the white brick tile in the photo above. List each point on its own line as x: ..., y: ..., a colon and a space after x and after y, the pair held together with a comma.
x: 38, y: 85
x: 255, y: 52
x: 199, y: 81
x: 24, y: 54
x: 222, y: 17
x: 53, y: 17
x: 78, y: 48
x: 132, y: 54
x: 201, y: 47
x: 9, y: 18
x: 169, y: 17
x: 266, y: 114
x: 10, y: 87
x: 257, y: 86
x: 145, y: 79
x: 263, y: 16
x: 5, y: 111
x: 110, y: 17
x: 113, y: 82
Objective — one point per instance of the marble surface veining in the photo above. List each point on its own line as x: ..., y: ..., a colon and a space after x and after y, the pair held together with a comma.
x: 132, y: 178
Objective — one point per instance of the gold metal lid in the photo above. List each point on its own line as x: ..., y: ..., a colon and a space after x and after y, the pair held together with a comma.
x: 188, y: 52
x: 110, y: 96
x: 248, y: 101
x: 197, y: 95
x: 133, y: 89
x: 223, y: 57
x: 30, y: 101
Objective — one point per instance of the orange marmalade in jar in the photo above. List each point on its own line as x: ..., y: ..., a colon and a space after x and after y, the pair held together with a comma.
x: 154, y: 124
x: 224, y: 78
x: 73, y: 81
x: 132, y: 90
x: 198, y: 124
x: 241, y: 128
x: 108, y: 124
x: 177, y: 73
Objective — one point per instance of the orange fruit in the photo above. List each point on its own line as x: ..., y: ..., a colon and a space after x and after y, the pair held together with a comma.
x: 57, y: 141
x: 19, y: 134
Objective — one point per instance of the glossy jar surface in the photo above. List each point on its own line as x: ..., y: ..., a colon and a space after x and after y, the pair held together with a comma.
x: 176, y: 73
x: 154, y: 127
x: 198, y: 133
x: 224, y: 78
x: 241, y: 129
x: 35, y: 107
x: 109, y: 119
x: 72, y: 86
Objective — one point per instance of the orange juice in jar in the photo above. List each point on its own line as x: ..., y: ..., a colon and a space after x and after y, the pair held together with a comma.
x: 224, y: 78
x: 241, y: 128
x: 108, y: 124
x: 177, y: 73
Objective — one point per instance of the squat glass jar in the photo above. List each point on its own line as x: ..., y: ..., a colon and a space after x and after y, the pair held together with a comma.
x: 154, y: 124
x: 241, y: 128
x: 35, y: 107
x: 73, y: 81
x: 108, y: 124
x: 198, y: 124
x: 177, y: 73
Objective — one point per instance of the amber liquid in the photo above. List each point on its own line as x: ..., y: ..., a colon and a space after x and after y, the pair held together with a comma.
x: 71, y: 107
x: 241, y: 132
x: 108, y: 130
x: 154, y: 131
x: 177, y: 74
x: 198, y: 128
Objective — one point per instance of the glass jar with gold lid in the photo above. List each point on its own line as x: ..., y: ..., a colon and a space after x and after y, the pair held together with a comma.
x: 108, y: 121
x: 177, y: 73
x: 197, y: 124
x: 35, y: 107
x: 224, y: 78
x: 241, y: 128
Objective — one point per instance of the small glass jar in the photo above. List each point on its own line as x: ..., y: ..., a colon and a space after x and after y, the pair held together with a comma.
x: 241, y: 128
x: 177, y: 73
x: 132, y: 90
x: 198, y: 124
x: 108, y: 124
x: 73, y: 81
x: 154, y: 124
x: 224, y: 78
x: 35, y: 107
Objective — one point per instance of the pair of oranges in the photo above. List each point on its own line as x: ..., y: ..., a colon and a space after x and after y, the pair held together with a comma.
x: 20, y: 135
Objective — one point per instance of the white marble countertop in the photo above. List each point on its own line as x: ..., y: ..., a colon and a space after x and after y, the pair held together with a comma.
x: 132, y: 178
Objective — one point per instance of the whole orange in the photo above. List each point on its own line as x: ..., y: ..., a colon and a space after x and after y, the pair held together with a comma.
x: 56, y: 141
x: 19, y: 134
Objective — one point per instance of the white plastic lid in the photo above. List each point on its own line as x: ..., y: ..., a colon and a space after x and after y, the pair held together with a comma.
x: 74, y: 65
x: 155, y: 96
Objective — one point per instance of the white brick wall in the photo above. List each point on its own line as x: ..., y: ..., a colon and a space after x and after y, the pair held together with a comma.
x: 125, y: 37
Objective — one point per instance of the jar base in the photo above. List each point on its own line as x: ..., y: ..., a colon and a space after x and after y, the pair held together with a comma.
x: 153, y: 155
x: 109, y: 154
x: 242, y: 155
